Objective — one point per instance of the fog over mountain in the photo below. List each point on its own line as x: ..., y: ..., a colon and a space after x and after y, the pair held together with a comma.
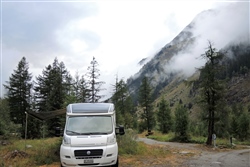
x: 224, y: 26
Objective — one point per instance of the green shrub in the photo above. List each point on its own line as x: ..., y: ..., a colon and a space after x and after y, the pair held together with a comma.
x: 127, y: 143
x: 47, y: 153
x: 162, y: 137
x: 181, y: 124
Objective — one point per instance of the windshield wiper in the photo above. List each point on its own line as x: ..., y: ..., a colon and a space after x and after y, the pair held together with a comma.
x: 88, y: 133
x: 94, y: 133
x: 99, y: 133
x: 77, y: 133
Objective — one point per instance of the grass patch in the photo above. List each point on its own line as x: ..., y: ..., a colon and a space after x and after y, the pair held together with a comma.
x: 152, y: 150
x: 170, y: 137
x: 162, y: 137
x: 242, y: 142
x: 39, y: 152
x: 219, y: 141
x: 198, y: 139
x: 128, y: 145
x: 139, y: 154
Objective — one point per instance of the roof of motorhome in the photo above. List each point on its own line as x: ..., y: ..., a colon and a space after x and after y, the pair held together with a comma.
x: 90, y: 108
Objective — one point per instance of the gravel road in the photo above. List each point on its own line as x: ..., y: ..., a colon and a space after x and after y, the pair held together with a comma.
x: 206, y: 157
x: 171, y: 144
x: 234, y: 158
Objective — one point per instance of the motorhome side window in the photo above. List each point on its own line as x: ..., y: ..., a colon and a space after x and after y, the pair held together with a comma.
x: 85, y: 125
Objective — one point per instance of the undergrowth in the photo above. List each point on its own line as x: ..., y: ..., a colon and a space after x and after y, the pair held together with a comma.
x: 170, y: 137
x: 39, y: 151
x: 128, y: 145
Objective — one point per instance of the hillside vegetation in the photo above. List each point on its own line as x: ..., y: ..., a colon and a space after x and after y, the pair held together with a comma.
x: 232, y: 114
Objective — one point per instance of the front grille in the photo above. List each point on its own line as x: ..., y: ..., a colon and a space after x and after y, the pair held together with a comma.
x: 87, y: 157
x: 88, y: 154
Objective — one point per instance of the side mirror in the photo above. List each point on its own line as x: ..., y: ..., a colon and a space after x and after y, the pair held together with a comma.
x: 119, y: 130
x: 58, y: 132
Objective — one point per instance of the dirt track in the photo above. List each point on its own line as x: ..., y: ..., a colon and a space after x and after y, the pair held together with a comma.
x: 208, y: 157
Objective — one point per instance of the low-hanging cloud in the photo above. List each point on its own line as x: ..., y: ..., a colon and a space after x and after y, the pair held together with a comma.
x: 223, y: 26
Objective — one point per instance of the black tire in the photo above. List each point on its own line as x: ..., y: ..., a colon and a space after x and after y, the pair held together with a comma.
x: 117, y: 163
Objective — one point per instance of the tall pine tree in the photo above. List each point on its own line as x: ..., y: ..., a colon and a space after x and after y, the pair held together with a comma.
x: 123, y: 105
x: 94, y: 86
x: 181, y: 123
x: 77, y: 92
x: 244, y: 126
x: 6, y: 125
x: 51, y: 90
x: 19, y: 93
x: 164, y: 116
x: 211, y: 88
x: 80, y: 89
x: 145, y: 101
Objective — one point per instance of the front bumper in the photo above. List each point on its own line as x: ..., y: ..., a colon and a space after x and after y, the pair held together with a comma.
x: 109, y: 156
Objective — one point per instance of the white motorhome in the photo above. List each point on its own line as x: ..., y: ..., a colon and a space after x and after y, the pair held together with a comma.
x: 89, y: 137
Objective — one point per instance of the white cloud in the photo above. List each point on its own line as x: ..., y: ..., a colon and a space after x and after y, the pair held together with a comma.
x: 118, y: 33
x: 221, y: 27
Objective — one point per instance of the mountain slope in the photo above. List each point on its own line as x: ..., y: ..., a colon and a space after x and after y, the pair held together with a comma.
x: 178, y: 59
x: 156, y: 69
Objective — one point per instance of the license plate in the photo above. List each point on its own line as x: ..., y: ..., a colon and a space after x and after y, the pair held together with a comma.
x: 88, y: 161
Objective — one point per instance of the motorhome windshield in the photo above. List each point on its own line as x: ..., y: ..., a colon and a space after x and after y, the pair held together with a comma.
x: 89, y: 125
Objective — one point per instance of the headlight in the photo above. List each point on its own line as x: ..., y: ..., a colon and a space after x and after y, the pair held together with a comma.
x: 66, y: 140
x: 111, y: 139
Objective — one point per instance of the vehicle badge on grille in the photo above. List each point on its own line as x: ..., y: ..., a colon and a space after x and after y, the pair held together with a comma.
x: 88, y: 152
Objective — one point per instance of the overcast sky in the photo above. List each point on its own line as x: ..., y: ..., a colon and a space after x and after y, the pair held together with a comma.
x: 117, y: 33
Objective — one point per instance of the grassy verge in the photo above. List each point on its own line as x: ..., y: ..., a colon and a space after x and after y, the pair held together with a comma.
x: 129, y: 146
x: 139, y: 154
x: 38, y: 152
x: 197, y: 139
x: 162, y: 137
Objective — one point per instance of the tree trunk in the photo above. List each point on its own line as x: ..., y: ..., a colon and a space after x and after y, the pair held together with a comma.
x: 210, y: 127
x: 209, y: 136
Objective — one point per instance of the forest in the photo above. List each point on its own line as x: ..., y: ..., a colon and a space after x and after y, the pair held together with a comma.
x: 55, y: 88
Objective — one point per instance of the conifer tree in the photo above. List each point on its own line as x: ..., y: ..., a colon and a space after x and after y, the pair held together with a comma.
x: 77, y: 90
x: 41, y: 88
x: 94, y: 86
x: 51, y: 90
x: 164, y: 116
x: 211, y: 88
x: 19, y: 93
x: 6, y: 125
x: 243, y: 126
x: 145, y: 101
x: 81, y: 89
x: 123, y: 105
x: 181, y: 123
x: 234, y: 126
